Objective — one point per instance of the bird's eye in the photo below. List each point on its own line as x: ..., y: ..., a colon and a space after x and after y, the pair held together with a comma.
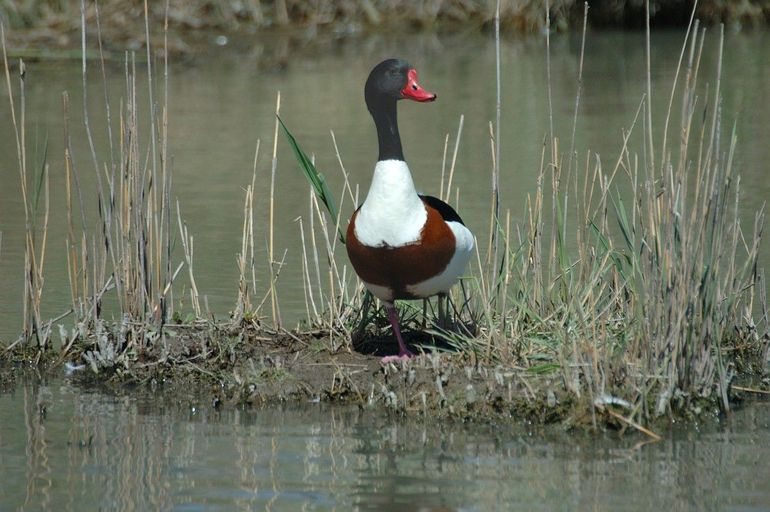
x: 414, y: 87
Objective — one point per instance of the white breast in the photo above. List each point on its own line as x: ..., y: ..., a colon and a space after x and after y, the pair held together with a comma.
x: 392, y: 214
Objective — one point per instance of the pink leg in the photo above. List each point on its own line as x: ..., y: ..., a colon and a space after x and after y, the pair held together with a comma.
x: 403, y: 352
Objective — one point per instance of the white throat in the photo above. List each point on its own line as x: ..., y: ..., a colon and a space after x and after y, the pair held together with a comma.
x: 392, y: 214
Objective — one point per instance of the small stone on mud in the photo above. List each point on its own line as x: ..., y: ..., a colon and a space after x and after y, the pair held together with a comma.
x: 470, y: 394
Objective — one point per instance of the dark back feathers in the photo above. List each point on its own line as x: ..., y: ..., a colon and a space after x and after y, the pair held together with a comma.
x: 447, y: 212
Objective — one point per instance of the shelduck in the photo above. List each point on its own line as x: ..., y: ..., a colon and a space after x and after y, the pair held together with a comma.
x: 402, y: 245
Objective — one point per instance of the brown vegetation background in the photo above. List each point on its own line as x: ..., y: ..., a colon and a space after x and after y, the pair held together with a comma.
x: 56, y: 23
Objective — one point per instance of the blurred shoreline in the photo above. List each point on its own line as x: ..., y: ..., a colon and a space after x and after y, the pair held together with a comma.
x: 51, y: 29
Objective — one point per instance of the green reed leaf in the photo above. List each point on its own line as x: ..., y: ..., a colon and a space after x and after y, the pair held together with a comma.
x: 315, y: 177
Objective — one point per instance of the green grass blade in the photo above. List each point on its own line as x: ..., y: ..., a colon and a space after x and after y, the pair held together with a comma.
x: 543, y: 368
x: 40, y: 179
x: 316, y: 179
x: 625, y: 226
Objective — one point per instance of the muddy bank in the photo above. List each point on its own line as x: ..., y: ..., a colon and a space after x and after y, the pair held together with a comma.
x: 46, y: 30
x: 223, y: 367
x: 258, y: 367
x: 676, y: 13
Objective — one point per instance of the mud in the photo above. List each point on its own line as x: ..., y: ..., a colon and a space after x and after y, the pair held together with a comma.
x: 256, y: 367
x: 235, y: 367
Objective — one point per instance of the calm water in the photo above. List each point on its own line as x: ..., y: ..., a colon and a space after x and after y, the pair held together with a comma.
x: 62, y: 448
x: 221, y: 105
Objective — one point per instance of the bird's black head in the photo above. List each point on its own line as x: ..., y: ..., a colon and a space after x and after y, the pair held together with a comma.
x: 395, y: 79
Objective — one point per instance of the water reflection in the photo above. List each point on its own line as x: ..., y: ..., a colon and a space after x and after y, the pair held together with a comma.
x: 62, y: 448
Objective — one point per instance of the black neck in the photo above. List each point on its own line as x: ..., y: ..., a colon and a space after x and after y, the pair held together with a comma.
x: 383, y: 110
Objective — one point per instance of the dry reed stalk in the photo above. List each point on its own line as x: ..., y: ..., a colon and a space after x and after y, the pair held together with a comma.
x: 448, y: 193
x: 134, y: 235
x: 571, y: 174
x: 351, y: 298
x: 166, y: 176
x: 494, y: 202
x: 750, y: 390
x: 92, y: 262
x: 245, y: 259
x: 552, y: 136
x: 316, y: 259
x: 14, y: 122
x: 443, y: 169
x: 334, y: 285
x: 692, y: 26
x: 651, y: 147
x: 271, y: 254
x: 252, y: 253
x: 38, y: 267
x: 506, y: 275
x: 77, y: 292
x: 635, y: 425
x: 345, y: 176
x: 33, y: 261
x: 307, y: 284
x: 188, y: 246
